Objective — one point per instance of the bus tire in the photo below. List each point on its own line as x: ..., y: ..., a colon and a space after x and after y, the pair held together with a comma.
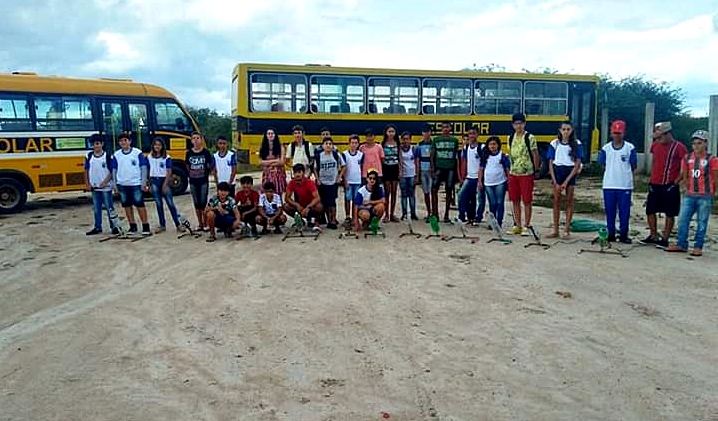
x: 13, y: 196
x: 179, y: 181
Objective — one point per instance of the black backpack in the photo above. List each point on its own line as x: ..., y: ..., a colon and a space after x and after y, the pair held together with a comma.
x: 310, y: 156
x: 527, y: 140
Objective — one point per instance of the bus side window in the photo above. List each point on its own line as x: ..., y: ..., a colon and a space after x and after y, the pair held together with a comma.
x: 171, y: 117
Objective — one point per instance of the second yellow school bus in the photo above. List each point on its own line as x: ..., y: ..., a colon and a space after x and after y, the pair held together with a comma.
x: 46, y: 122
x: 349, y: 100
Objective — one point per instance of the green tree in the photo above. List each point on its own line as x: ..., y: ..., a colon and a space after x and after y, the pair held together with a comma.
x: 212, y: 124
x: 626, y: 100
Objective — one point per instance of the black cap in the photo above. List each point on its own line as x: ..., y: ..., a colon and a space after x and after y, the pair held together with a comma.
x: 426, y: 128
x: 518, y: 117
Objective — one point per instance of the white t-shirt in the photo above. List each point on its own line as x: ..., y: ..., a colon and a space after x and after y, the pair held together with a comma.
x: 473, y: 161
x: 300, y: 155
x: 223, y: 166
x: 495, y: 170
x: 619, y: 165
x: 352, y: 173
x: 128, y: 166
x: 561, y: 151
x: 97, y: 171
x: 159, y: 166
x: 408, y: 168
x: 270, y: 207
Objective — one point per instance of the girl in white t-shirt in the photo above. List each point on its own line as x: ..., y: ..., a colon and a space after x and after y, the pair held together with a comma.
x: 494, y: 175
x: 160, y: 178
x: 564, y: 162
x: 354, y: 159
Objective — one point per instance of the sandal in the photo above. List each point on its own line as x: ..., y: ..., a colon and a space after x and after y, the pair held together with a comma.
x: 566, y: 235
x: 394, y: 219
x: 696, y: 252
x: 211, y: 239
x: 552, y: 235
x: 674, y: 248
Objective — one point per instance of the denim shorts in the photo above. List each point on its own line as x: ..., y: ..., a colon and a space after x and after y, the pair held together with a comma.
x: 131, y: 196
x: 351, y: 191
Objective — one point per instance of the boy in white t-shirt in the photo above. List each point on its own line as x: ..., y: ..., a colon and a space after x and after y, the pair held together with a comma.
x: 225, y: 164
x: 353, y: 160
x: 98, y: 180
x: 619, y: 160
x: 270, y: 210
x: 130, y: 170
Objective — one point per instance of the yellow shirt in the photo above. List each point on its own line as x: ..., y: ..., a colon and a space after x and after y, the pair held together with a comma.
x: 521, y: 159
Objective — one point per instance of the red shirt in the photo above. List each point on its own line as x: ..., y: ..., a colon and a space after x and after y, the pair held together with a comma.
x: 304, y: 192
x: 665, y: 172
x: 246, y: 199
x: 700, y: 175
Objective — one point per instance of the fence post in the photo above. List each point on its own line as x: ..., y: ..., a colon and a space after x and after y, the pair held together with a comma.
x: 713, y: 125
x: 648, y: 137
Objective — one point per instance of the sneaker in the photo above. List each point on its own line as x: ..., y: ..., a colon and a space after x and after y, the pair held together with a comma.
x: 146, y: 230
x: 474, y: 223
x: 648, y: 240
x: 625, y: 240
x: 414, y: 217
x: 427, y: 219
x: 525, y: 232
x: 159, y: 230
x: 662, y: 244
x: 181, y: 229
x: 94, y: 231
x: 278, y: 230
x: 403, y: 217
x: 515, y: 230
x: 115, y: 231
x: 133, y: 229
x: 611, y: 238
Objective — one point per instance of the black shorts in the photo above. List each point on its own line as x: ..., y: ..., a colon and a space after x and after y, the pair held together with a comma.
x: 390, y: 172
x: 663, y: 198
x: 446, y: 176
x: 328, y: 195
x: 561, y: 172
x: 250, y: 218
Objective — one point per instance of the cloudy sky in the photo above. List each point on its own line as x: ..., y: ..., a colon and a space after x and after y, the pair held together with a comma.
x: 191, y: 46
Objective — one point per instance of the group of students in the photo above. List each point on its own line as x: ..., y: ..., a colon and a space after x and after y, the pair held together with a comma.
x: 372, y: 173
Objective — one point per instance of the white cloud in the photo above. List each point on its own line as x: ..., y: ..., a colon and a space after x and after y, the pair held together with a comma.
x: 119, y: 54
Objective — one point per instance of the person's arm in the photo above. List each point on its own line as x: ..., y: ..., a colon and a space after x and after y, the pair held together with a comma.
x: 577, y: 157
x: 88, y: 187
x: 462, y: 165
x: 287, y: 158
x: 213, y: 170
x: 481, y: 178
x: 315, y: 199
x: 113, y: 170
x: 233, y: 165
x: 713, y: 168
x: 144, y: 171
x: 417, y: 162
x: 168, y: 175
x: 355, y: 217
x: 633, y: 159
x: 342, y: 171
x: 506, y: 162
x: 432, y: 159
x: 288, y: 199
x: 283, y: 158
x: 602, y: 158
x: 550, y: 156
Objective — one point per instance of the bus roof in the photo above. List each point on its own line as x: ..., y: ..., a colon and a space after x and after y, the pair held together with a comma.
x: 473, y: 74
x: 30, y: 82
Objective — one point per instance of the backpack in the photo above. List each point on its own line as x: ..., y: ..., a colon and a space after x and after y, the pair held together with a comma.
x: 527, y: 140
x: 108, y: 158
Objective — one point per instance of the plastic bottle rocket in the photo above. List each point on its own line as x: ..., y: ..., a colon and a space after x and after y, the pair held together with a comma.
x: 374, y: 225
x: 434, y: 224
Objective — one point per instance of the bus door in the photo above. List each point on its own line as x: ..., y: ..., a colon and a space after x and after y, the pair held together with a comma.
x: 139, y: 120
x: 113, y: 122
x: 581, y: 114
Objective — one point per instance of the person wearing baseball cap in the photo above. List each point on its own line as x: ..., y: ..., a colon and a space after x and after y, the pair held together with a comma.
x: 619, y: 160
x: 699, y: 171
x: 664, y: 195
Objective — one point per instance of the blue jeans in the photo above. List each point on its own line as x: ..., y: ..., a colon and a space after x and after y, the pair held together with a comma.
x: 701, y: 206
x: 496, y: 195
x: 406, y: 184
x: 102, y: 199
x: 621, y: 199
x: 468, y: 203
x: 156, y: 184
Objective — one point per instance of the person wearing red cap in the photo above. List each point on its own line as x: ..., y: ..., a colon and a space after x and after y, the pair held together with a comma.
x: 619, y: 160
x: 664, y: 195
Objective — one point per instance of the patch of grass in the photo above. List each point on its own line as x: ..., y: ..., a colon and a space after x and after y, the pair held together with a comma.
x: 580, y: 205
x: 640, y: 185
x: 592, y: 169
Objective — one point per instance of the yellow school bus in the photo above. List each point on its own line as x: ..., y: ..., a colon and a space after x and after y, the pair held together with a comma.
x: 46, y: 123
x: 349, y: 100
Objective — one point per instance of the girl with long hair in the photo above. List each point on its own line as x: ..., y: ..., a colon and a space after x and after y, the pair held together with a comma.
x: 564, y: 156
x: 272, y: 157
x: 391, y: 170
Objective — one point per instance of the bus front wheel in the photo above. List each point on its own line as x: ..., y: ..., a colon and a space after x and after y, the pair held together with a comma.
x: 13, y: 195
x: 179, y: 182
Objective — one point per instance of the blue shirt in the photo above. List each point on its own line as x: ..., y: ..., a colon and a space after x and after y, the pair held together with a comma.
x: 423, y: 152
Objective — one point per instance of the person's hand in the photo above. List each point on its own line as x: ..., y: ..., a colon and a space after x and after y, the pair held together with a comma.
x: 88, y: 187
x: 318, y: 181
x: 145, y: 188
x: 480, y: 186
x: 416, y: 180
x: 564, y: 186
x: 305, y: 212
x: 357, y: 227
x: 165, y: 189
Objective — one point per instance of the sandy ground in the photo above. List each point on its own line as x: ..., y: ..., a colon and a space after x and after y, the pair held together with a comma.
x: 178, y: 329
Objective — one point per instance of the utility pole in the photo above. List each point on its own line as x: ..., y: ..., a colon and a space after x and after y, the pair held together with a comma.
x: 713, y: 125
